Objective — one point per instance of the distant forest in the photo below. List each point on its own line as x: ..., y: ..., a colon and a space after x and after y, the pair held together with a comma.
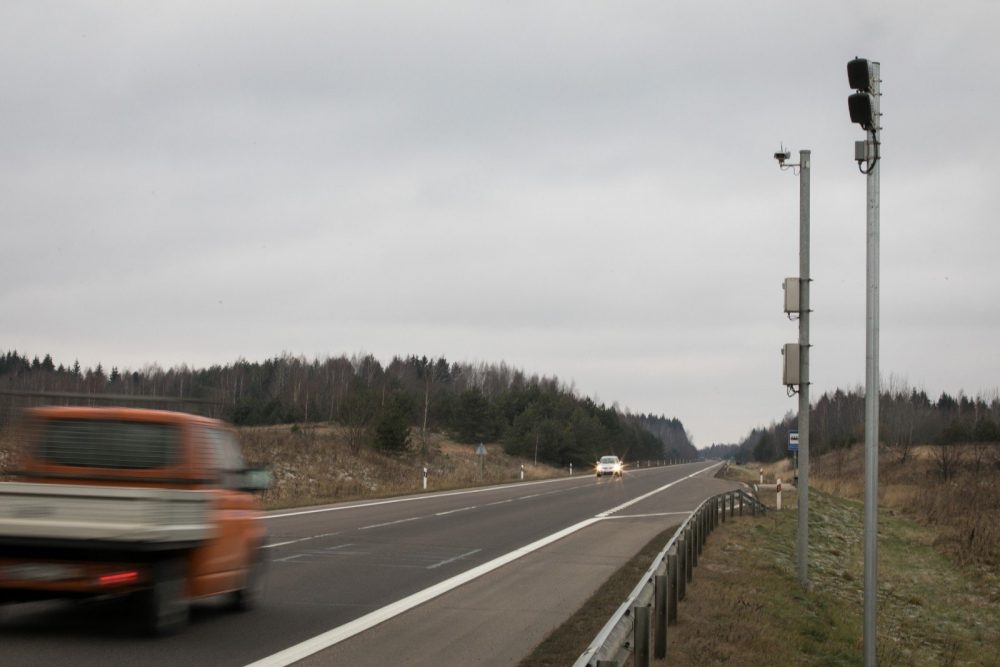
x: 387, y: 407
x: 907, y: 417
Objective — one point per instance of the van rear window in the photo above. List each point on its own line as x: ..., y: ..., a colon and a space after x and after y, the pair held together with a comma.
x: 92, y: 443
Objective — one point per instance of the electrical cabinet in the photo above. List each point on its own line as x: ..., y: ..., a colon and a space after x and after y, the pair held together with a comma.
x: 790, y: 375
x: 792, y: 299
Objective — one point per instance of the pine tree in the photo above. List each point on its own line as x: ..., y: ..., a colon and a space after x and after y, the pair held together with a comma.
x: 392, y: 428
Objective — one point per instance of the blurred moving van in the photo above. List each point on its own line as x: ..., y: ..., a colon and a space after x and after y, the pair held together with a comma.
x: 151, y: 504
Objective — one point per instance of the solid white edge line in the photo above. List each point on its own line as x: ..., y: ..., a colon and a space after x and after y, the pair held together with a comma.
x: 336, y: 635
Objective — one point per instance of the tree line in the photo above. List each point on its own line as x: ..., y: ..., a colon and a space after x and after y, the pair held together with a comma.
x: 907, y: 417
x: 392, y: 407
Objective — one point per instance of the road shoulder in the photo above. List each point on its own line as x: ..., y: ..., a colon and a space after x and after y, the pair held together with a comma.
x: 498, y: 618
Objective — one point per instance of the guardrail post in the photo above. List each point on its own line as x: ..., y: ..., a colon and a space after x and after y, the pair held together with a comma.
x: 672, y: 585
x: 640, y: 636
x: 704, y: 526
x: 660, y: 616
x: 732, y: 504
x: 699, y: 530
x: 741, y: 503
x: 724, y: 499
x: 681, y: 567
x: 689, y: 558
x: 694, y: 544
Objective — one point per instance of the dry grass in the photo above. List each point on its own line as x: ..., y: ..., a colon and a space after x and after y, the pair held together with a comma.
x: 315, y: 465
x: 955, y: 490
x: 745, y: 606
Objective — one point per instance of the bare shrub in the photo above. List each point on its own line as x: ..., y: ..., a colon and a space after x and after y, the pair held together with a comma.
x: 947, y: 458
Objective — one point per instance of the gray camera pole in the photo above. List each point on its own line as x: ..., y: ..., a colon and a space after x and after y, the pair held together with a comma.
x: 872, y: 387
x: 803, y: 454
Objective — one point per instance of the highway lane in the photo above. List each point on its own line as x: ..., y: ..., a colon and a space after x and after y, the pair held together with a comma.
x: 332, y: 565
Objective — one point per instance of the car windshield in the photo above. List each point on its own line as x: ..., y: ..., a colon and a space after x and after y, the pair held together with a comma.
x: 609, y: 459
x: 95, y: 443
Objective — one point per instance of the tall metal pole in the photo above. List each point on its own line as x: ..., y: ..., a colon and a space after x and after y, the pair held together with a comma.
x: 804, y: 166
x: 872, y: 383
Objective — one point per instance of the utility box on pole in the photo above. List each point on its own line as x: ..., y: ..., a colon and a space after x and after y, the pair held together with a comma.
x: 793, y: 302
x: 790, y: 374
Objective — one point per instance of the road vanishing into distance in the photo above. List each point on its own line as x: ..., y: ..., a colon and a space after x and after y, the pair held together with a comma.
x: 476, y: 576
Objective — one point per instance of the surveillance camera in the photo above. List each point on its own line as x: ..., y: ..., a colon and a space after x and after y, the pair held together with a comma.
x: 781, y: 156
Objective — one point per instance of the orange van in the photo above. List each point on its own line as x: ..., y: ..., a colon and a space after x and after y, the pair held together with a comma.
x: 152, y: 504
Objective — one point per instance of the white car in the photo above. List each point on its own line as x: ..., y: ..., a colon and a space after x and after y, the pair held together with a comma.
x: 609, y: 465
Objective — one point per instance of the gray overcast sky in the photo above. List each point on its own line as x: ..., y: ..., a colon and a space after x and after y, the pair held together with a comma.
x: 577, y: 188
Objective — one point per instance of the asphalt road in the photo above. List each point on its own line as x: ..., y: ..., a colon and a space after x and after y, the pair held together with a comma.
x: 336, y: 569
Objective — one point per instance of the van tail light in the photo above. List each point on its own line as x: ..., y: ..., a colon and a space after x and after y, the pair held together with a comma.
x: 119, y: 578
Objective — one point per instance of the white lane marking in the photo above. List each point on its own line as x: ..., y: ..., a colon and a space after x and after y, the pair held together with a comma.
x: 460, y: 509
x: 499, y: 502
x: 452, y: 560
x: 288, y: 558
x: 301, y: 539
x: 390, y: 523
x: 533, y: 495
x: 281, y: 544
x: 613, y: 510
x: 371, y: 619
x: 336, y: 635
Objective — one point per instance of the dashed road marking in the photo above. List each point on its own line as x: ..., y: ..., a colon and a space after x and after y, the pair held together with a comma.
x: 452, y: 560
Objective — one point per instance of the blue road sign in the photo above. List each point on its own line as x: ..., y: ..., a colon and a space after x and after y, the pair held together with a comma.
x: 793, y: 441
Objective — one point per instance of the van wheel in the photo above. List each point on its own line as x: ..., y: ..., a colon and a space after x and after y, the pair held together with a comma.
x: 164, y: 606
x: 248, y: 597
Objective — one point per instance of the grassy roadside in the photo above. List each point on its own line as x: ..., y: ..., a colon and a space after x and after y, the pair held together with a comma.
x: 746, y: 607
x: 569, y: 640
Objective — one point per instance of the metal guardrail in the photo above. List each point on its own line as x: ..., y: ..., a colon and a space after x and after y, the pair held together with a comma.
x: 652, y: 605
